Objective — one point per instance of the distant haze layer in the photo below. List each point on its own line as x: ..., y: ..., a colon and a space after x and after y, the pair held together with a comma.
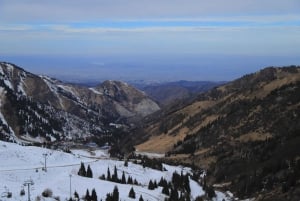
x: 156, y: 68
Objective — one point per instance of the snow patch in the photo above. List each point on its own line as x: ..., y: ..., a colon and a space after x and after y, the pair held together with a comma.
x: 1, y: 70
x: 8, y: 84
x: 196, y: 190
x: 95, y: 91
x: 67, y: 89
x: 9, y: 67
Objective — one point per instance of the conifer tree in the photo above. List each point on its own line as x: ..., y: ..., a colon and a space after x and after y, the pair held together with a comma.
x: 174, y: 194
x: 165, y: 190
x: 115, y: 194
x: 204, y: 185
x: 108, y: 175
x: 87, y: 195
x: 115, y: 175
x: 181, y: 198
x: 89, y: 172
x: 129, y: 180
x: 109, y: 197
x: 162, y: 182
x: 151, y: 185
x: 176, y: 180
x: 186, y: 183
x: 123, y: 181
x: 141, y: 198
x: 94, y: 195
x: 187, y: 197
x: 82, y: 171
x: 102, y: 177
x: 210, y: 192
x: 76, y: 195
x: 131, y: 193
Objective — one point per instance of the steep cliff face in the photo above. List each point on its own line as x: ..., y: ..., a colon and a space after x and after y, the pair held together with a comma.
x: 29, y: 102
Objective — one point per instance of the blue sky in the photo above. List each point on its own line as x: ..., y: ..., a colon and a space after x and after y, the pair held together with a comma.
x: 153, y: 40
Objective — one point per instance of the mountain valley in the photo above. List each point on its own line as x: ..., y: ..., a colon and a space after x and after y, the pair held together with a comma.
x: 241, y: 136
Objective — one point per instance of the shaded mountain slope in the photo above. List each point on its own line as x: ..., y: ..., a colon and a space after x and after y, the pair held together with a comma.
x: 39, y: 108
x: 245, y: 133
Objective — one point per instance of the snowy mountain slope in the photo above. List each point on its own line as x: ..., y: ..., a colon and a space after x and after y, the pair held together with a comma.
x: 39, y: 108
x: 20, y: 164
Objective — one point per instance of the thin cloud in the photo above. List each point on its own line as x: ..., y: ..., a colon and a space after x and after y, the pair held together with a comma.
x: 137, y: 26
x: 86, y: 10
x: 15, y: 28
x: 159, y: 25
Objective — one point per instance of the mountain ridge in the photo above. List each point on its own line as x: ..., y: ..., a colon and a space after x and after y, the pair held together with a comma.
x: 71, y: 110
x: 167, y: 93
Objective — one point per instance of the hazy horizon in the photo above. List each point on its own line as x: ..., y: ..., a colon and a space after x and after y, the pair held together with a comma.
x: 149, y: 69
x: 149, y: 40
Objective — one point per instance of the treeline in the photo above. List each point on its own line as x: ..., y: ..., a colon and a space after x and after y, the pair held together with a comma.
x: 177, y: 189
x: 114, y: 196
x: 112, y: 177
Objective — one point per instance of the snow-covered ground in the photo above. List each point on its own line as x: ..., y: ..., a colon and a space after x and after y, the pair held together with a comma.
x: 20, y: 164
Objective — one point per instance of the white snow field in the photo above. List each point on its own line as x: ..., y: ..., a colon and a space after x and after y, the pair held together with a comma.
x: 23, y: 163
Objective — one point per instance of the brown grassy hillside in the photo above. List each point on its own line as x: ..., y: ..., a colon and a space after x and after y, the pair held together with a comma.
x: 245, y: 133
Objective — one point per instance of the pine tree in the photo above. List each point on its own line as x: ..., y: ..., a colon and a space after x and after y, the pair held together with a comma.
x: 94, y: 195
x: 87, y: 195
x: 123, y: 181
x: 210, y: 192
x: 162, y: 182
x: 131, y: 193
x: 186, y: 183
x: 89, y: 172
x: 187, y: 197
x: 108, y: 175
x: 151, y: 185
x: 135, y: 182
x: 126, y: 163
x: 109, y: 197
x: 102, y: 177
x: 165, y: 190
x: 174, y: 194
x: 176, y: 180
x: 141, y: 198
x: 204, y: 185
x: 115, y: 194
x: 115, y: 175
x: 76, y: 195
x: 181, y: 198
x: 129, y: 180
x: 82, y: 171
